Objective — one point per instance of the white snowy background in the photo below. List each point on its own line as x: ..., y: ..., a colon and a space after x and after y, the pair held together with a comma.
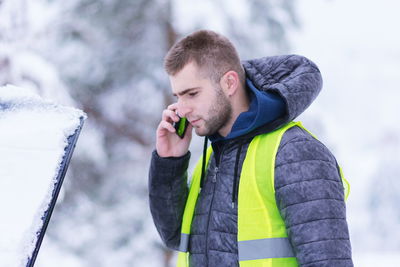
x: 105, y: 57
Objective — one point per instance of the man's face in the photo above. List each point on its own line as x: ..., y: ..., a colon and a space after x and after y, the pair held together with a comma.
x: 200, y: 100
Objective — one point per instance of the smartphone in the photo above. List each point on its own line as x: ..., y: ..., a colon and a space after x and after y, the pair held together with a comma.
x: 181, y: 126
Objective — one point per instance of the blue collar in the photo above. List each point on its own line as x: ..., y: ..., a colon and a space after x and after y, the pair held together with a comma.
x: 264, y: 108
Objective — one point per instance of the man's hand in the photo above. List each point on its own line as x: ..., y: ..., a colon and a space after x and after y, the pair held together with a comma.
x: 168, y: 143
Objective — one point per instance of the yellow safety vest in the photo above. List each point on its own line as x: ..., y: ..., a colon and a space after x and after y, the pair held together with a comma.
x: 262, y: 236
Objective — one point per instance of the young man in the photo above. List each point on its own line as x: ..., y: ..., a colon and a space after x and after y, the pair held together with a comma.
x: 268, y: 193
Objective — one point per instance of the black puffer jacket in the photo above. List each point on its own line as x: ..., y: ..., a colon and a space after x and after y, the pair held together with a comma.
x: 309, y: 191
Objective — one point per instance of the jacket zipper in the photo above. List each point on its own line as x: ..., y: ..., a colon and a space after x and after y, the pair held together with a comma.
x: 214, y: 181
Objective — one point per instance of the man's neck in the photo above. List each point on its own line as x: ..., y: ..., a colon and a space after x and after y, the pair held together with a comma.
x: 240, y: 103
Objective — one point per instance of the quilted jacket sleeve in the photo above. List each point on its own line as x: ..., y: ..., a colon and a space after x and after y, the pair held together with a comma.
x: 168, y: 191
x: 310, y: 196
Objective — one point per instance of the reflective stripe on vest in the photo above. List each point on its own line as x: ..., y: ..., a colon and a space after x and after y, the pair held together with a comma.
x: 262, y: 237
x: 264, y: 249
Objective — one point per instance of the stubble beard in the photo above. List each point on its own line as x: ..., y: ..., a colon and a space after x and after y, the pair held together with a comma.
x: 219, y: 114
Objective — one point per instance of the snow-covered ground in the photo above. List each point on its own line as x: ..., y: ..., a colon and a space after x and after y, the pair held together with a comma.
x: 33, y: 136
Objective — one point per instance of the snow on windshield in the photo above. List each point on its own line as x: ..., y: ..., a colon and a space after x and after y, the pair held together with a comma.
x: 33, y: 137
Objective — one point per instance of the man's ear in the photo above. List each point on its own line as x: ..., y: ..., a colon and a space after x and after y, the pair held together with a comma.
x: 230, y: 82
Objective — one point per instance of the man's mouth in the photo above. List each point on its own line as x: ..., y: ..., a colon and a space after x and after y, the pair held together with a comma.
x: 193, y: 122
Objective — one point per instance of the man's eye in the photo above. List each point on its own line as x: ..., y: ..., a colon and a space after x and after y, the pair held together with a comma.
x: 193, y: 94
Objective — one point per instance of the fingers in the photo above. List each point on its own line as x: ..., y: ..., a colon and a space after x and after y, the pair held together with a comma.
x: 167, y: 126
x: 173, y: 107
x: 169, y: 116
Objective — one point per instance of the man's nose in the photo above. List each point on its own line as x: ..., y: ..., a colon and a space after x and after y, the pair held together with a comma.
x: 183, y: 109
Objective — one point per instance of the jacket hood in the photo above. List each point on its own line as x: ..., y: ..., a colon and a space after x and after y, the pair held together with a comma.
x: 280, y: 89
x: 264, y: 107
